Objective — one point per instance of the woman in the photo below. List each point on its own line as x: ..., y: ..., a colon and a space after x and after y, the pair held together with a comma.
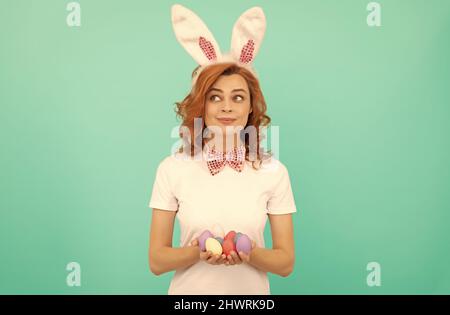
x: 229, y: 184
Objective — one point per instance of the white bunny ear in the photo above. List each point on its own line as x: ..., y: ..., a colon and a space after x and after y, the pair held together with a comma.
x: 247, y: 36
x: 194, y: 35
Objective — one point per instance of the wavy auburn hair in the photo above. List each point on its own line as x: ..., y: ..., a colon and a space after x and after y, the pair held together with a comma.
x: 193, y: 106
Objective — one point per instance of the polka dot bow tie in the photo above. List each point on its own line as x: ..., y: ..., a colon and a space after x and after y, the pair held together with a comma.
x: 216, y: 160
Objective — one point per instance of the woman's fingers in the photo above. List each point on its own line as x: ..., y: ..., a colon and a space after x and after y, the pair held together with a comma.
x: 221, y: 259
x: 231, y: 259
x: 237, y: 260
x: 217, y: 259
x: 213, y: 259
x: 244, y: 257
x: 205, y: 255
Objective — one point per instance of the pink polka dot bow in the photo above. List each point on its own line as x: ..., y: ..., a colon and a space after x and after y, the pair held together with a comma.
x: 216, y: 160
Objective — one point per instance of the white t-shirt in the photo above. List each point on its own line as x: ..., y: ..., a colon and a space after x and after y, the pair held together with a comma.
x: 229, y: 200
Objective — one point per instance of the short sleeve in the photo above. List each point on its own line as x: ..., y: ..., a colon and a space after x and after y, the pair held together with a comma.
x: 281, y: 199
x: 162, y: 193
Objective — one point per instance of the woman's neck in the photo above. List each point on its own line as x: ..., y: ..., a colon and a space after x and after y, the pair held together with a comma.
x: 224, y: 145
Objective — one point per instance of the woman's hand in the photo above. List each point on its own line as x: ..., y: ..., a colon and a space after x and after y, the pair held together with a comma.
x: 208, y: 256
x: 235, y: 259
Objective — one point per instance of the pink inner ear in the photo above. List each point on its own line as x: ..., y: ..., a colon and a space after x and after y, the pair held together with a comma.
x: 247, y: 52
x: 207, y: 48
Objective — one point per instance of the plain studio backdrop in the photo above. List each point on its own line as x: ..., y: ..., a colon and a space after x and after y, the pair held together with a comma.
x: 86, y: 115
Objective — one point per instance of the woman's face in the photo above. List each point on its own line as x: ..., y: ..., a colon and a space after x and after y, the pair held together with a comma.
x: 228, y: 103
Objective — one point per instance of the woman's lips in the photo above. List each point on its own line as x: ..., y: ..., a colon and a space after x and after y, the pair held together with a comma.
x: 226, y: 121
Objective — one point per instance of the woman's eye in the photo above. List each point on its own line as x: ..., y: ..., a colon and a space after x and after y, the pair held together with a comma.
x: 239, y: 98
x: 214, y: 98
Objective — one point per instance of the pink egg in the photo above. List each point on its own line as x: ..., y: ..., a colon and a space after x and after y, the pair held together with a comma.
x: 244, y: 244
x: 202, y: 239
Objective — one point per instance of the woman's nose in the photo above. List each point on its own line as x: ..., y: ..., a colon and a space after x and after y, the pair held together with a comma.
x: 226, y: 106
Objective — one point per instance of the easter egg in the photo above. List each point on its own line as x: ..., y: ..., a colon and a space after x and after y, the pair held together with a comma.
x: 244, y: 244
x: 219, y: 239
x: 230, y: 235
x: 217, y: 230
x: 202, y: 239
x: 238, y: 235
x: 228, y: 246
x: 213, y: 245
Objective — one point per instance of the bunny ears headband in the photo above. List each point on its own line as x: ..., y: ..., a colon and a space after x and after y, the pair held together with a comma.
x: 193, y: 34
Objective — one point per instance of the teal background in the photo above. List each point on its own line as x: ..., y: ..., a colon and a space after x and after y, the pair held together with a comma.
x: 86, y: 116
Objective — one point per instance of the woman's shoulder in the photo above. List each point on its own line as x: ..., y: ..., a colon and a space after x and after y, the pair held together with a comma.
x: 175, y: 160
x: 275, y: 172
x: 272, y: 165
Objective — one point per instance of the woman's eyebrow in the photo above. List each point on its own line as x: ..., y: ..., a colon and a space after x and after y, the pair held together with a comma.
x: 235, y: 90
x: 239, y: 90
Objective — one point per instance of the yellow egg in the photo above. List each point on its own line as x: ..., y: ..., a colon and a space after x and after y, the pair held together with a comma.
x: 213, y: 245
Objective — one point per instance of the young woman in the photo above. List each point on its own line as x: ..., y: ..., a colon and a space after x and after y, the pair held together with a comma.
x: 222, y: 182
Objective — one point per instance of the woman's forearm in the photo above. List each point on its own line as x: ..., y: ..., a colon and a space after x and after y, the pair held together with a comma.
x: 276, y: 261
x: 166, y: 258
